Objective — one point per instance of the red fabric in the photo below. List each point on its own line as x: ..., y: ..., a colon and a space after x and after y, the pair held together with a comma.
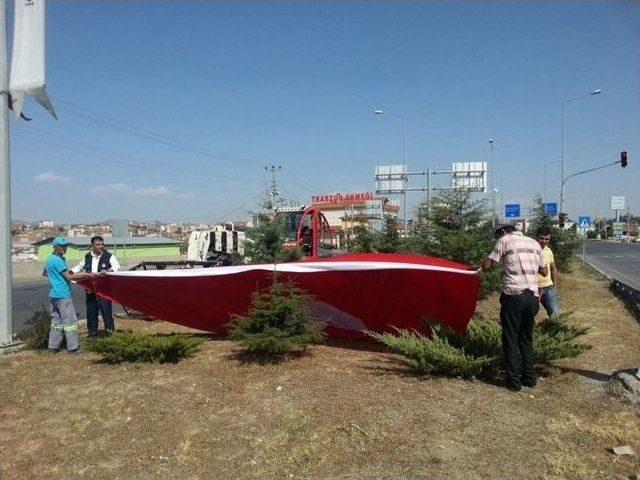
x: 381, y: 299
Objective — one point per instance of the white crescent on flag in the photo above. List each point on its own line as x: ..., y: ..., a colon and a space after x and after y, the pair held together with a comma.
x: 27, y: 62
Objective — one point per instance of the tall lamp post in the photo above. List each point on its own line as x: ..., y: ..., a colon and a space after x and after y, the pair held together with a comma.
x: 545, y: 177
x: 6, y: 321
x: 594, y: 92
x: 493, y: 185
x: 404, y: 158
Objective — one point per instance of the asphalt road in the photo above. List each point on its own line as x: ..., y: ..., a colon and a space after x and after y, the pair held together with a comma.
x: 619, y: 260
x: 31, y: 296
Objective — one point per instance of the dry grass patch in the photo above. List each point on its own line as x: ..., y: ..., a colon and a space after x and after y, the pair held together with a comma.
x: 342, y: 411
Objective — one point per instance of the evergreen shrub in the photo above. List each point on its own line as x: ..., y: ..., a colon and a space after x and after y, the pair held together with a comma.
x: 479, y: 353
x: 278, y: 321
x: 38, y: 337
x: 144, y: 347
x: 555, y: 339
x: 436, y: 355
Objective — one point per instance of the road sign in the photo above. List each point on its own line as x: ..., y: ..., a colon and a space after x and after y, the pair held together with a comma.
x: 512, y: 210
x: 551, y: 208
x: 584, y: 222
x: 618, y: 228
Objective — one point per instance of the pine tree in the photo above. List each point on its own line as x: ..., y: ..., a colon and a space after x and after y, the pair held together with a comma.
x: 363, y: 238
x: 458, y: 228
x: 389, y: 240
x: 266, y: 242
x: 278, y: 321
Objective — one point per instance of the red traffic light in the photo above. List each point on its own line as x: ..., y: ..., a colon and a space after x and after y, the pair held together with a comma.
x: 623, y: 159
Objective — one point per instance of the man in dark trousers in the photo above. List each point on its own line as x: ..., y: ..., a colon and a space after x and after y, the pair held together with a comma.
x: 522, y: 260
x: 98, y: 260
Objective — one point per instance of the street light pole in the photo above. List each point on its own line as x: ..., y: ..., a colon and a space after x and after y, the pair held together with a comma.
x: 594, y: 92
x: 404, y: 159
x: 545, y: 178
x: 6, y: 321
x: 493, y: 185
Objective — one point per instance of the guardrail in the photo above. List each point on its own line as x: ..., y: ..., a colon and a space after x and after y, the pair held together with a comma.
x: 630, y: 295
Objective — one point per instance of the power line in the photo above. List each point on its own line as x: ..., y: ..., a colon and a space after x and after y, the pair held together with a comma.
x: 116, y: 124
x: 113, y: 158
x: 116, y: 170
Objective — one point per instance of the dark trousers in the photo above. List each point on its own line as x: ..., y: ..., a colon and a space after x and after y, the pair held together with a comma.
x: 97, y: 304
x: 517, y: 317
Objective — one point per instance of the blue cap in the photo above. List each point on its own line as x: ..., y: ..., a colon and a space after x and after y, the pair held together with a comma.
x: 61, y: 242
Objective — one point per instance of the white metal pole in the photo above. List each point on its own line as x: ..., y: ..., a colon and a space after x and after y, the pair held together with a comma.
x: 562, y: 161
x: 428, y: 193
x: 404, y: 159
x: 493, y: 186
x: 6, y: 321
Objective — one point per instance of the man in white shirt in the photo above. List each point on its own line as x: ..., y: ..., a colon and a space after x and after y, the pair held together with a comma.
x: 98, y: 260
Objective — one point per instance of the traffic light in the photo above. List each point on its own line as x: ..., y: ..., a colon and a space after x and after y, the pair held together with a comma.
x: 561, y: 219
x: 623, y: 159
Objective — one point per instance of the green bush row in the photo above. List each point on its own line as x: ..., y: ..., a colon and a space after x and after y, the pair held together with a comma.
x: 144, y: 347
x: 478, y: 353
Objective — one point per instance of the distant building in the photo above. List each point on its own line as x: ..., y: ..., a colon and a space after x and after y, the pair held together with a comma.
x: 135, y: 247
x: 46, y: 224
x: 344, y: 211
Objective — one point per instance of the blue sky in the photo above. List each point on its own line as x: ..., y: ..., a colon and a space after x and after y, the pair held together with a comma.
x: 246, y: 85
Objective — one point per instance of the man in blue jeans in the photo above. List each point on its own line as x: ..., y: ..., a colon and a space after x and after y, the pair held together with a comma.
x: 548, y: 283
x: 64, y: 323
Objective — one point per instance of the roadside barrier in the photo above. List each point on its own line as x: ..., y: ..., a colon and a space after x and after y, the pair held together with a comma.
x: 629, y: 295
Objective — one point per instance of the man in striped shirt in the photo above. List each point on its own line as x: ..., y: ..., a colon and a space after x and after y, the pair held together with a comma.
x: 522, y: 261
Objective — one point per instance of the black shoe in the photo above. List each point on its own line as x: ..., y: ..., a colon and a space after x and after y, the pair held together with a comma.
x: 514, y: 387
x: 74, y: 352
x: 529, y: 383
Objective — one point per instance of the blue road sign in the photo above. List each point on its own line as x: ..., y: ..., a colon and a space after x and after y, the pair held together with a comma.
x: 512, y: 210
x: 584, y: 222
x: 551, y: 208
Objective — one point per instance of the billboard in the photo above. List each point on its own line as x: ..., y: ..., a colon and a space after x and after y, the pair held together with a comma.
x: 470, y: 176
x: 617, y: 203
x: 391, y: 179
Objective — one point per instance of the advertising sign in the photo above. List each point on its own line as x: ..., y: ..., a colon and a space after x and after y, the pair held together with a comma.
x: 391, y: 179
x: 618, y: 203
x: 470, y: 176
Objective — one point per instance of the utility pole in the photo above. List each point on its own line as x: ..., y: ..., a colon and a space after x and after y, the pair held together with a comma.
x: 6, y: 321
x: 274, y: 193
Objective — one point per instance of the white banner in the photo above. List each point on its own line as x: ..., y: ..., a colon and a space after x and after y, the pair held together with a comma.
x: 27, y: 62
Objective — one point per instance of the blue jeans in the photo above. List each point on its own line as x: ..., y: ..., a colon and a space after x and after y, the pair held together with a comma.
x: 550, y: 300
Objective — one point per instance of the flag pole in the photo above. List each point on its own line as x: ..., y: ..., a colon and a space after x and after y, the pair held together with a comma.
x: 6, y: 321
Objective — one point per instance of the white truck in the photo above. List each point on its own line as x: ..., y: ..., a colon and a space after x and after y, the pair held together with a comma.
x: 211, y: 245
